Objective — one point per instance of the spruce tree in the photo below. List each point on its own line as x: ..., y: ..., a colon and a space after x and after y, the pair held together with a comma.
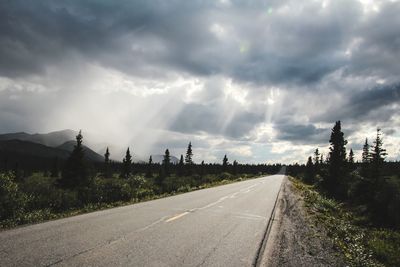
x: 149, y: 172
x: 378, y: 155
x: 75, y: 172
x: 336, y: 180
x: 181, y: 165
x: 166, y: 163
x: 316, y: 156
x: 377, y: 182
x: 106, y: 173
x: 365, y: 153
x: 351, y: 156
x: 365, y: 160
x: 316, y: 160
x: 235, y: 167
x: 225, y: 163
x: 189, y: 159
x: 351, y: 160
x: 189, y: 155
x: 309, y: 173
x: 126, y: 165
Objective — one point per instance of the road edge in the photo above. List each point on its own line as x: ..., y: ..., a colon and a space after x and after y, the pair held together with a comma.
x: 260, y: 255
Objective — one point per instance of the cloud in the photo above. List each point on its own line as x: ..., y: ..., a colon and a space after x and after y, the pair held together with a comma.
x: 234, y: 76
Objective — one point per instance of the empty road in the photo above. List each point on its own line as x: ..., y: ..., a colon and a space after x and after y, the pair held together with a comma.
x: 220, y: 226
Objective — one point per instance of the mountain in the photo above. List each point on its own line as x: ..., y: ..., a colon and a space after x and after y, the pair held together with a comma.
x: 25, y: 148
x: 160, y: 158
x: 52, y: 139
x: 89, y: 153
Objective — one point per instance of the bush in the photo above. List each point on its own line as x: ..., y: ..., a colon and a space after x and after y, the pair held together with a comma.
x: 41, y: 191
x: 12, y: 201
x: 225, y: 176
x: 388, y: 201
x: 110, y: 190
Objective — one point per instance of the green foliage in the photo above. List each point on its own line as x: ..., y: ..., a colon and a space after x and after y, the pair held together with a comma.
x: 385, y: 245
x: 361, y: 245
x: 41, y: 191
x: 335, y: 182
x: 309, y: 175
x: 12, y: 201
x: 75, y: 173
x: 126, y: 164
x: 189, y: 154
x: 166, y: 162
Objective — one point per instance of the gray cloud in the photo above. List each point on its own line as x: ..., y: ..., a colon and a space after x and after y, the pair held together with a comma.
x: 326, y: 62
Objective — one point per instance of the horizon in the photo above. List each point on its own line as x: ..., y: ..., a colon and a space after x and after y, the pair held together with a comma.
x: 263, y: 82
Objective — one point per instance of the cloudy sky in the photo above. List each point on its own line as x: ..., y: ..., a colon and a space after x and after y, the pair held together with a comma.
x: 262, y: 81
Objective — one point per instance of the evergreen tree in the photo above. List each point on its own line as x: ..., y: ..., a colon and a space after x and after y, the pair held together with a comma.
x: 202, y: 168
x: 149, y: 172
x: 351, y: 156
x: 316, y: 156
x: 365, y: 153
x: 107, y: 164
x: 316, y: 160
x: 188, y: 159
x: 351, y: 160
x: 376, y: 179
x: 225, y: 163
x: 335, y: 182
x: 309, y: 173
x: 180, y: 166
x: 75, y: 172
x: 365, y: 160
x: 378, y: 155
x: 321, y: 161
x: 55, y: 168
x: 166, y: 163
x: 235, y: 167
x: 126, y: 165
x: 189, y: 154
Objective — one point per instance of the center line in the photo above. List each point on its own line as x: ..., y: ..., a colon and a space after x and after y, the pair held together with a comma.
x: 177, y: 216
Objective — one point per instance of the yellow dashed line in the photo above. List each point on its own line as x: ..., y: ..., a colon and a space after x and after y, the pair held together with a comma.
x: 177, y: 216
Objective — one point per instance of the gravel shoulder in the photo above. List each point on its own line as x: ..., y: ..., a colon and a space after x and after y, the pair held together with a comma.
x: 295, y: 239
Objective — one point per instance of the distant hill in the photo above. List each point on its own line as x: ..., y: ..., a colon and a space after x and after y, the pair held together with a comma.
x: 52, y: 139
x: 160, y: 158
x: 89, y: 153
x: 25, y: 148
x: 33, y: 155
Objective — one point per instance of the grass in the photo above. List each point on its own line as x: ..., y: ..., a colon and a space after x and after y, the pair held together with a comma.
x: 42, y: 215
x: 360, y: 244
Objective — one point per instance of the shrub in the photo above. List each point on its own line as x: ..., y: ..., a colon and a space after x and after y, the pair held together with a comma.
x: 41, y: 191
x: 12, y: 201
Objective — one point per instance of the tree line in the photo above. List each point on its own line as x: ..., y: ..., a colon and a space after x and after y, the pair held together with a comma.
x: 77, y: 183
x: 372, y: 185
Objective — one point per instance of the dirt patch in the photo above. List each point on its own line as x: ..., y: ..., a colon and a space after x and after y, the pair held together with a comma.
x: 295, y: 239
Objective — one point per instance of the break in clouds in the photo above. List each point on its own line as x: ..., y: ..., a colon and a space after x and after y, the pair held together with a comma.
x: 259, y: 80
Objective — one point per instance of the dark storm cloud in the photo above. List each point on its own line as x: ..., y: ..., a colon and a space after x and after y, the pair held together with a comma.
x: 298, y: 133
x: 378, y: 104
x: 377, y: 50
x: 310, y: 51
x: 140, y: 37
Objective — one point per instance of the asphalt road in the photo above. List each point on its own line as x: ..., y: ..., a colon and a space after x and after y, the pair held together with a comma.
x: 220, y: 226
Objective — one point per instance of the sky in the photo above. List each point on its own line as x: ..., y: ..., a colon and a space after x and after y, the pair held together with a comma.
x: 260, y: 81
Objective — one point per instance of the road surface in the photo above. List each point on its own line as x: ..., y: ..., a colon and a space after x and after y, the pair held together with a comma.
x: 220, y: 226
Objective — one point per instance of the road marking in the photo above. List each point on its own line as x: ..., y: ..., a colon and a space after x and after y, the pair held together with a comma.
x: 177, y: 216
x: 151, y: 225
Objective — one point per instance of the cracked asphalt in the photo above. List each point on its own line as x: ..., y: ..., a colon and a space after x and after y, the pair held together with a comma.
x: 220, y: 226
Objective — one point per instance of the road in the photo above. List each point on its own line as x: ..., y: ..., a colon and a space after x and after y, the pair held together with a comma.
x: 220, y: 226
